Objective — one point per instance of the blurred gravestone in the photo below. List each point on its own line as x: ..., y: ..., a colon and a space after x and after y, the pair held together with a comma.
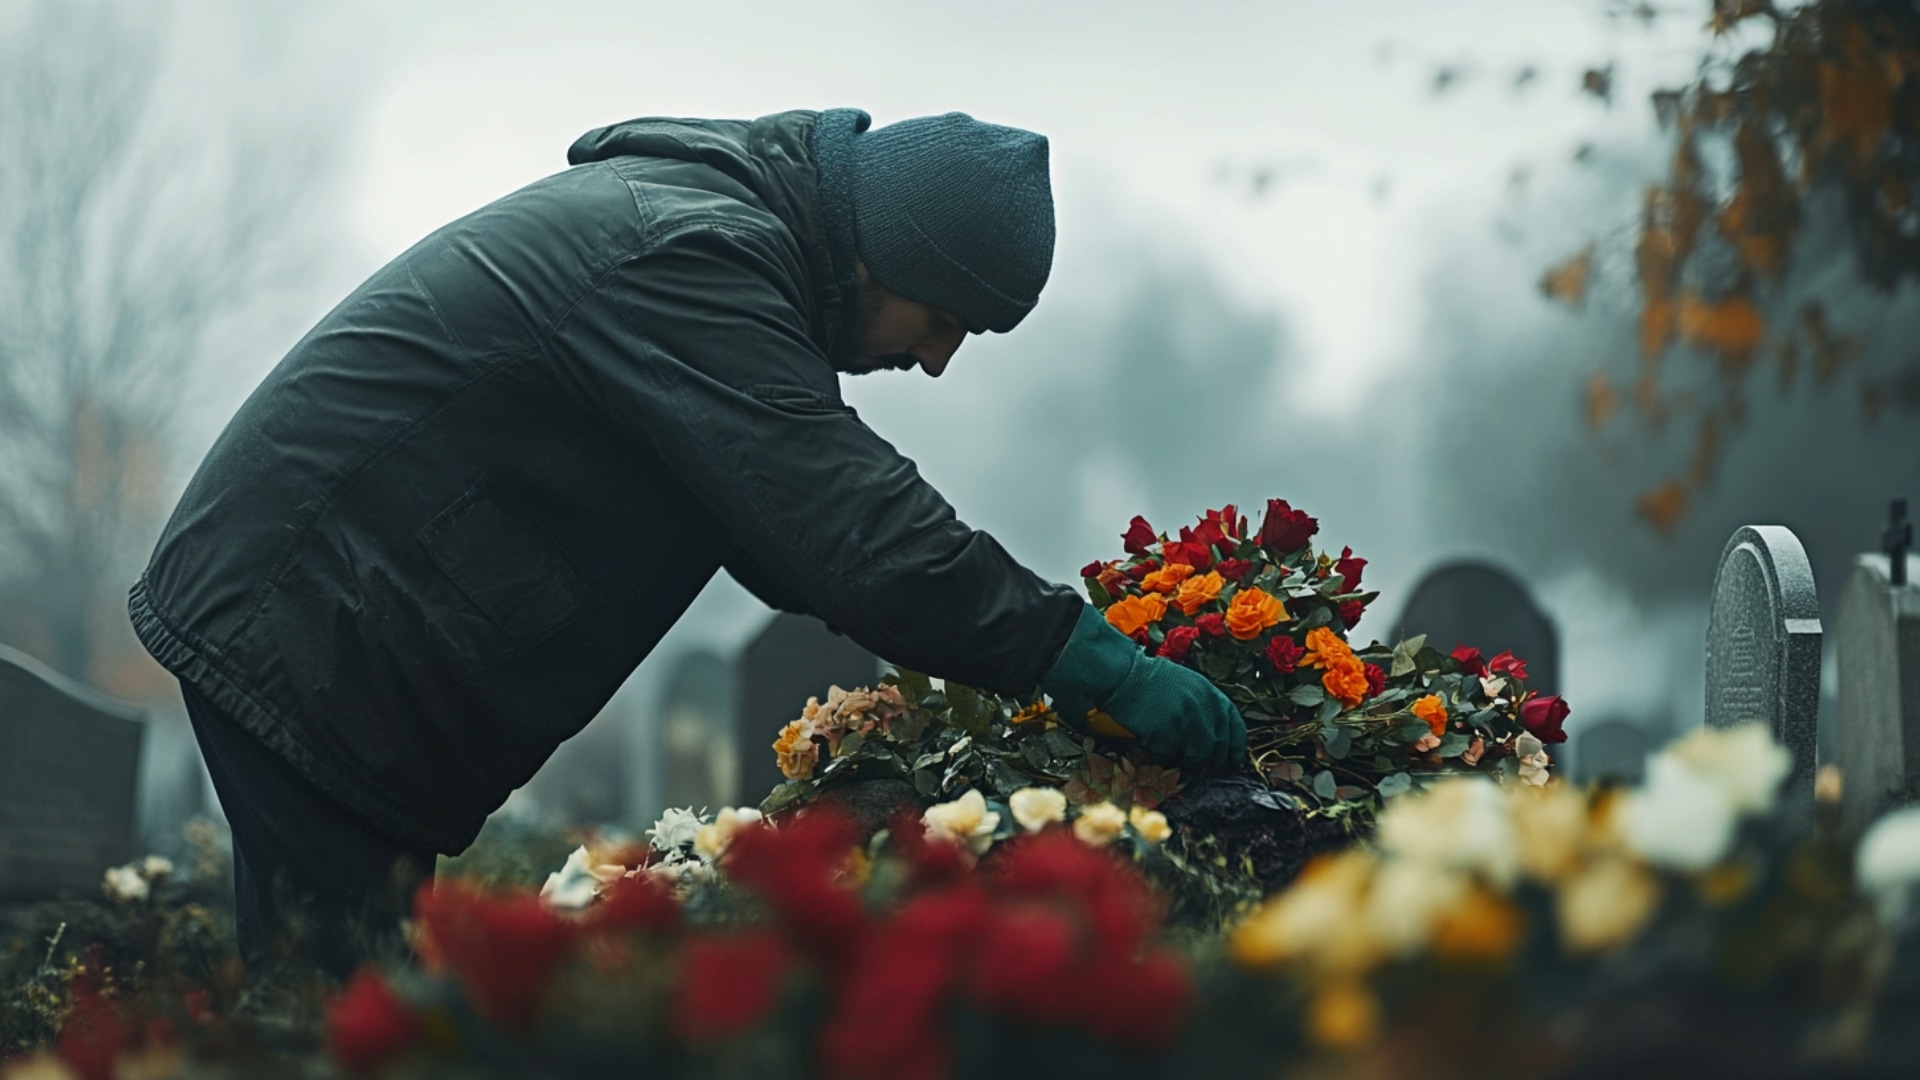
x: 585, y: 781
x: 693, y: 734
x: 794, y: 658
x: 1877, y: 645
x: 1763, y: 643
x: 1482, y: 605
x: 1613, y: 750
x: 69, y: 764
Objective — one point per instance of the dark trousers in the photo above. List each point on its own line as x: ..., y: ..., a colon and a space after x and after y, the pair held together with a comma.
x: 313, y: 883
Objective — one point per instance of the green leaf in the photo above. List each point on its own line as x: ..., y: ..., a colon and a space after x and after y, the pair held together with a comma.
x: 925, y: 782
x: 1397, y: 784
x: 1097, y: 593
x: 1307, y: 694
x: 1329, y: 709
x: 1483, y: 718
x: 1035, y: 752
x: 934, y: 700
x: 1319, y: 616
x: 787, y: 794
x: 1453, y: 744
x: 1413, y: 645
x: 970, y: 712
x: 914, y: 686
x: 1339, y: 744
x: 850, y: 742
x: 1061, y: 744
x: 1402, y: 662
x: 1323, y: 784
x: 909, y: 726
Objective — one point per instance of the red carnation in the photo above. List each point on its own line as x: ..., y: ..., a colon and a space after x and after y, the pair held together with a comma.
x: 1542, y: 717
x: 1283, y: 653
x: 728, y: 984
x: 1212, y: 623
x: 1507, y: 664
x: 1351, y: 611
x: 1025, y: 964
x: 1349, y: 568
x: 503, y: 949
x: 368, y: 1025
x: 1376, y: 679
x: 1180, y: 639
x: 795, y: 872
x: 1285, y: 530
x: 1234, y: 569
x: 1139, y: 536
x: 1469, y: 660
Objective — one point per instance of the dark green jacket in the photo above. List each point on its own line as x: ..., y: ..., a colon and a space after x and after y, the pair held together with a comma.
x: 449, y: 524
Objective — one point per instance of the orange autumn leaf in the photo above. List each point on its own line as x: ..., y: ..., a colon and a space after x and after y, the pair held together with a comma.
x: 1733, y: 328
x: 1664, y: 506
x: 1602, y: 399
x: 1656, y: 325
x: 1131, y: 614
x: 1253, y: 610
x: 1568, y: 281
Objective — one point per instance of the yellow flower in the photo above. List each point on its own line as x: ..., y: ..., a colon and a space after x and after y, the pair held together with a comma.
x: 1253, y: 610
x: 1433, y: 711
x: 1550, y: 827
x: 713, y: 839
x: 1129, y: 614
x: 1483, y: 926
x: 1196, y: 592
x: 1346, y: 681
x: 1318, y: 919
x: 1343, y: 1015
x: 1035, y: 808
x: 796, y: 751
x: 1324, y: 648
x: 1099, y: 824
x: 1150, y: 824
x: 1605, y: 905
x: 1167, y: 578
x: 965, y: 821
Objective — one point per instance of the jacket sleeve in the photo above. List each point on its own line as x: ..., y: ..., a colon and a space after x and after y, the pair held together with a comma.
x: 699, y: 347
x: 754, y: 578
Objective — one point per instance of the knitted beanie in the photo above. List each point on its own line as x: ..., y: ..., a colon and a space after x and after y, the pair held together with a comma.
x: 948, y: 211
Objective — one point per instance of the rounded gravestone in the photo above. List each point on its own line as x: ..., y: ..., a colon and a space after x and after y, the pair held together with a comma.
x: 1482, y: 605
x: 1763, y: 642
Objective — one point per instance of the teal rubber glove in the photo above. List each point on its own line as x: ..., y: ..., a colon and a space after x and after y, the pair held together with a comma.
x: 1174, y: 711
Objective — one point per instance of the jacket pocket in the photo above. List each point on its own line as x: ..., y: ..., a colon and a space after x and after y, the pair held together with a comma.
x: 506, y: 567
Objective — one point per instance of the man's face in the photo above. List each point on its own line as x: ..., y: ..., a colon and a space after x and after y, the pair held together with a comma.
x: 892, y: 333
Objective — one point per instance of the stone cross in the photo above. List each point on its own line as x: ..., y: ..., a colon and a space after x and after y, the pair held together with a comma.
x: 69, y: 764
x: 1877, y: 643
x: 1763, y: 643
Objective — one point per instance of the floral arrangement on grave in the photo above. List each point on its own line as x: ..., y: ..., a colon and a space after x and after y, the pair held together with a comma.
x: 1334, y: 728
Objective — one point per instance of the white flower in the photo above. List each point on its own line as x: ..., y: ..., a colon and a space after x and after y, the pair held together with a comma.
x: 1743, y: 762
x: 1887, y: 863
x: 1678, y: 818
x: 1492, y: 685
x: 1408, y: 897
x: 674, y: 830
x: 125, y: 884
x: 1150, y: 824
x: 156, y: 868
x: 1462, y: 823
x: 1100, y: 824
x: 576, y: 884
x: 1035, y: 808
x: 965, y: 821
x: 713, y: 839
x: 1534, y: 761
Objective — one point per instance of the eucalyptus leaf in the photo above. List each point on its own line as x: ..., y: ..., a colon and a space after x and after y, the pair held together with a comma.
x: 1062, y: 744
x: 1414, y: 644
x: 1329, y: 709
x: 1339, y: 744
x: 1307, y: 694
x: 1402, y: 662
x: 1323, y: 784
x: 1035, y: 751
x: 1319, y: 616
x: 925, y: 782
x: 1397, y: 784
x: 1483, y: 717
x: 1453, y: 744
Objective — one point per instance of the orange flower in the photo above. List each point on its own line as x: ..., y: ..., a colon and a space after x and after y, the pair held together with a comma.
x: 1252, y: 611
x: 1346, y: 680
x: 796, y: 750
x: 1129, y: 614
x: 1036, y: 713
x: 1433, y: 711
x: 1198, y: 591
x: 1167, y: 578
x: 1324, y: 649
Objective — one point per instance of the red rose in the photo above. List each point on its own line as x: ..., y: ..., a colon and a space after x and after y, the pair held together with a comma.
x: 1092, y: 569
x: 1283, y: 653
x: 1179, y: 640
x: 504, y: 949
x: 1188, y: 552
x: 1469, y: 660
x: 1214, y: 623
x: 1351, y: 611
x: 1507, y: 664
x: 1141, y: 570
x: 1349, y: 568
x: 1542, y: 717
x: 1285, y: 530
x: 1139, y: 536
x: 1234, y: 569
x: 1025, y: 962
x: 368, y: 1025
x: 1142, y: 638
x: 1376, y: 679
x: 728, y: 984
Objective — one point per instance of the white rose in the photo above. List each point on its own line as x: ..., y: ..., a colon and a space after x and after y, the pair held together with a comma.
x: 1887, y: 863
x: 965, y: 821
x: 1743, y: 762
x: 1463, y: 823
x: 1150, y: 824
x: 1100, y: 824
x: 674, y: 830
x: 1035, y: 808
x: 124, y: 883
x: 1678, y: 818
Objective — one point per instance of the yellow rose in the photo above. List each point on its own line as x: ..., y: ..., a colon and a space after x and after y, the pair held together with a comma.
x: 965, y: 821
x: 1035, y: 808
x: 796, y: 751
x: 1605, y: 905
x: 1100, y: 824
x: 1251, y: 611
x: 1130, y: 614
x: 1150, y: 824
x: 1197, y: 592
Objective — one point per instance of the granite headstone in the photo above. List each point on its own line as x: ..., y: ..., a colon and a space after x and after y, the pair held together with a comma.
x: 1614, y: 751
x: 693, y: 734
x: 1763, y: 643
x: 69, y: 766
x: 1877, y: 647
x: 794, y: 658
x: 1487, y: 607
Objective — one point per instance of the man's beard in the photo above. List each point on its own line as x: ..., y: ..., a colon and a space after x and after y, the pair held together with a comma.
x: 850, y: 354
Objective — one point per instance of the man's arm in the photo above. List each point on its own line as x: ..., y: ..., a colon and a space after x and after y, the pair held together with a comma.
x: 764, y: 586
x: 699, y: 347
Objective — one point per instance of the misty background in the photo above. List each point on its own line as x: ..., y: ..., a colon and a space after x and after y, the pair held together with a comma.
x: 1300, y: 248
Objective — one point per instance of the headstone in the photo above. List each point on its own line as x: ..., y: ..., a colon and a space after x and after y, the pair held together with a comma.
x: 69, y: 765
x: 1763, y: 643
x: 693, y: 734
x: 1877, y: 647
x: 1613, y: 751
x: 585, y: 781
x: 1485, y: 606
x: 794, y: 658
